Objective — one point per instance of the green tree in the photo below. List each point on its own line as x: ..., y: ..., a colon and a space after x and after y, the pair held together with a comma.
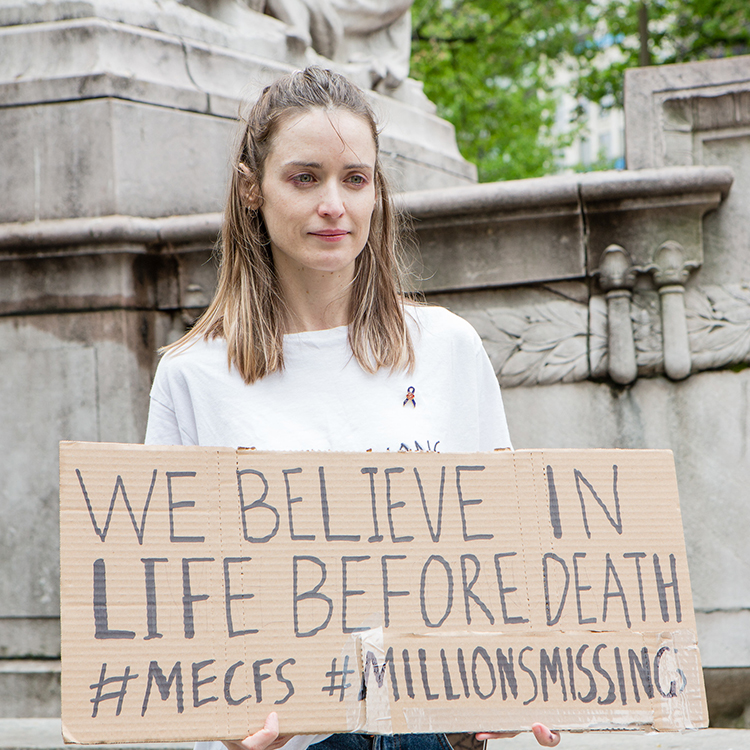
x: 488, y: 66
x: 618, y: 34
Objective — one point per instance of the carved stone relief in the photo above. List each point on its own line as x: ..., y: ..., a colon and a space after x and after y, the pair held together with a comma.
x: 670, y: 267
x: 718, y: 321
x: 647, y: 333
x: 374, y: 35
x: 563, y: 341
x: 536, y: 345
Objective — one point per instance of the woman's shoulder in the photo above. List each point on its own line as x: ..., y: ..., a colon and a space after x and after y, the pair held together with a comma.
x: 435, y: 321
x: 192, y: 353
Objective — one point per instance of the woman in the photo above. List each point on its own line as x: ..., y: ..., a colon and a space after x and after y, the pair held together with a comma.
x: 309, y: 343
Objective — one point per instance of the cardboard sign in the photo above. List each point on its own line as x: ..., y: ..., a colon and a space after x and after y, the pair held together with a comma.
x: 203, y: 588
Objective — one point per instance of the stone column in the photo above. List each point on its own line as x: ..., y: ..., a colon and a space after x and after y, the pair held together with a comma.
x: 617, y: 277
x: 670, y: 271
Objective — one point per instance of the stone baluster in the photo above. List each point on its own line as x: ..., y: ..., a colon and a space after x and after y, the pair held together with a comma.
x: 617, y: 278
x: 670, y: 271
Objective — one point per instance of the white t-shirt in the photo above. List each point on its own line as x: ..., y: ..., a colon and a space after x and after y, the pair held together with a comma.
x: 323, y: 400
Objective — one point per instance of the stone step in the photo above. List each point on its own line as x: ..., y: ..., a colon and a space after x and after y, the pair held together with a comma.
x: 29, y: 687
x: 44, y: 734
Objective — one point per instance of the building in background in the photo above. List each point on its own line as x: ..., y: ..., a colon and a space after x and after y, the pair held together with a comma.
x: 597, y: 142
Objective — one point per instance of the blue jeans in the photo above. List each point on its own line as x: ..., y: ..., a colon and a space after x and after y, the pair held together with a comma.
x: 384, y: 742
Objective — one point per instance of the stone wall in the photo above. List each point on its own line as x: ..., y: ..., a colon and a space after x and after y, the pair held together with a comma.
x: 696, y: 114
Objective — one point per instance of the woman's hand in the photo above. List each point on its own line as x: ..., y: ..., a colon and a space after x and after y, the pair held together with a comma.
x: 267, y: 738
x: 544, y: 736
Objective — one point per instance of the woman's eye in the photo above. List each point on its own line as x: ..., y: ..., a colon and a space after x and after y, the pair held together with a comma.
x: 357, y: 179
x: 303, y: 178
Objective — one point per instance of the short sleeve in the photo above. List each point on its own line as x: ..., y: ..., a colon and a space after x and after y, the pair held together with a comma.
x: 493, y: 425
x: 162, y: 427
x: 170, y: 398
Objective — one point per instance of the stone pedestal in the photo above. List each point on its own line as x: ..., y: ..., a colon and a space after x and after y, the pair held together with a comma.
x: 130, y: 108
x: 699, y: 114
x: 692, y: 114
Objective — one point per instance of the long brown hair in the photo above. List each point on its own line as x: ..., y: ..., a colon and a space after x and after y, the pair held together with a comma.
x: 248, y: 309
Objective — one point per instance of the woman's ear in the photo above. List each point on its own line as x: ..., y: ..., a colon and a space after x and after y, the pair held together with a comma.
x: 249, y: 189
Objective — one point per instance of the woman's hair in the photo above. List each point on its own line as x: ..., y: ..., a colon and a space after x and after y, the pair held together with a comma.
x: 248, y: 309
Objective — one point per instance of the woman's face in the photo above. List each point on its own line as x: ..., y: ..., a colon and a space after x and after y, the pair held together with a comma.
x: 318, y: 192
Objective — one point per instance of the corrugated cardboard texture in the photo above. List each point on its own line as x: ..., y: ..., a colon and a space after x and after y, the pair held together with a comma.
x: 409, y: 592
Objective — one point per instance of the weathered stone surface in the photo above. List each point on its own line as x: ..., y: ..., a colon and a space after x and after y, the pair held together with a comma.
x: 642, y: 225
x: 728, y: 693
x: 75, y: 376
x: 725, y: 636
x: 47, y: 392
x: 698, y: 113
x: 68, y: 237
x: 120, y: 158
x: 266, y: 38
x: 666, y: 104
x: 640, y: 210
x: 145, y: 99
x: 29, y: 688
x: 489, y: 251
x: 534, y: 335
x: 80, y: 376
x: 727, y: 232
x: 28, y: 637
x: 500, y: 234
x: 169, y: 56
x: 120, y: 278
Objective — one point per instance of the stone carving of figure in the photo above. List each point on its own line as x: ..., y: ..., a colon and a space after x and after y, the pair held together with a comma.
x: 377, y: 33
x: 315, y: 22
x: 233, y: 12
x: 374, y: 35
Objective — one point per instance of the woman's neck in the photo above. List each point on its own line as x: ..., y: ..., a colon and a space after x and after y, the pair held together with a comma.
x: 318, y: 302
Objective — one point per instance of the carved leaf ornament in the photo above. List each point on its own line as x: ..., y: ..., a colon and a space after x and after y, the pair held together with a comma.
x: 536, y: 345
x: 718, y: 319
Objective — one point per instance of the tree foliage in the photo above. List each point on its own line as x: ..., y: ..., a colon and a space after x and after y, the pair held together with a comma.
x: 610, y: 40
x: 487, y: 66
x: 490, y: 65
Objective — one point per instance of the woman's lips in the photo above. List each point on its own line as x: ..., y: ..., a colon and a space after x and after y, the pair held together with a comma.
x: 330, y: 235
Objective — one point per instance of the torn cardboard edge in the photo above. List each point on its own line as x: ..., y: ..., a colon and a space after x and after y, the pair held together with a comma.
x: 490, y: 666
x: 202, y: 588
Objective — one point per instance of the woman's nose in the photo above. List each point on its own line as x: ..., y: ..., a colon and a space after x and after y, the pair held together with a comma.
x: 331, y: 201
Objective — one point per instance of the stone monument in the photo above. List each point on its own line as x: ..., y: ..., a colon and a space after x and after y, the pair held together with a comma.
x: 114, y: 114
x: 144, y: 94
